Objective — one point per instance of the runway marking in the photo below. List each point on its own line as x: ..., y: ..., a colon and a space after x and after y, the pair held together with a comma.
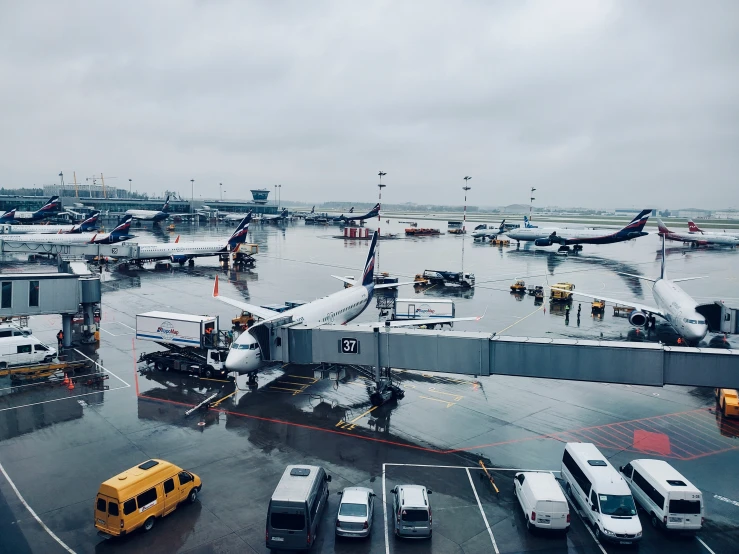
x: 482, y: 512
x: 457, y: 397
x: 448, y: 404
x: 101, y: 367
x: 349, y: 425
x: 33, y: 513
x: 520, y: 320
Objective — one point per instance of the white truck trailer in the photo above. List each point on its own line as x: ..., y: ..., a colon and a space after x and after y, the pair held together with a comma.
x: 407, y: 309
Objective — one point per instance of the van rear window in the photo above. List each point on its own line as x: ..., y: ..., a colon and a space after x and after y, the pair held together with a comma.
x: 414, y: 515
x: 685, y: 507
x: 290, y: 522
x: 101, y: 505
x: 113, y: 508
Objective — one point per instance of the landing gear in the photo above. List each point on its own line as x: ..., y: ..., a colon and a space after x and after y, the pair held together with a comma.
x: 252, y: 382
x: 191, y: 263
x: 564, y: 249
x: 577, y: 248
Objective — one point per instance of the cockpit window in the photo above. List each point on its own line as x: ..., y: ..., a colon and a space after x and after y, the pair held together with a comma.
x: 695, y: 321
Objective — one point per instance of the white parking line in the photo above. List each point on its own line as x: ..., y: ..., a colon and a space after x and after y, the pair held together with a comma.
x: 103, y: 368
x: 704, y: 544
x: 484, y: 517
x: 23, y: 501
x: 384, y: 510
x: 585, y: 523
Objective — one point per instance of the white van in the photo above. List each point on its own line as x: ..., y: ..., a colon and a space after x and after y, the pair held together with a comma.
x: 543, y: 503
x: 670, y: 499
x: 412, y: 511
x: 24, y: 350
x: 602, y: 492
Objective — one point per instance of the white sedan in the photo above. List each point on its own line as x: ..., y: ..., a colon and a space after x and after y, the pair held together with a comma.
x: 355, y: 512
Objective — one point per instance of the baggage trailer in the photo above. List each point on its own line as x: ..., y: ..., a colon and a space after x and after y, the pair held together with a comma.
x: 408, y: 309
x: 466, y: 280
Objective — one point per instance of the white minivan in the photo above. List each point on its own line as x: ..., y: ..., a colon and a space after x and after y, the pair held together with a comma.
x: 543, y: 503
x: 24, y: 350
x: 670, y: 499
x: 602, y: 492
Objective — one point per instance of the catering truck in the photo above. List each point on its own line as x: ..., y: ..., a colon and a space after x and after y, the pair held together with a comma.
x: 408, y: 309
x: 194, y: 344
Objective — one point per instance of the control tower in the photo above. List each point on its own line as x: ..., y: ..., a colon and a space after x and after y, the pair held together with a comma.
x: 260, y: 195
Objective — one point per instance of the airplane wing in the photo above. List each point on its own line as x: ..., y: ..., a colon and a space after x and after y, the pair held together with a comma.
x: 635, y: 305
x: 345, y: 280
x: 383, y: 286
x: 263, y: 313
x: 411, y: 322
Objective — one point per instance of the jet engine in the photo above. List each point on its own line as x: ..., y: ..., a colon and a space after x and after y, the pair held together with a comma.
x: 178, y: 258
x: 543, y: 242
x: 638, y: 318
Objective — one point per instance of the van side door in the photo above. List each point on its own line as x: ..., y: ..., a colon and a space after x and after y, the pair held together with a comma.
x: 593, y: 507
x: 171, y: 495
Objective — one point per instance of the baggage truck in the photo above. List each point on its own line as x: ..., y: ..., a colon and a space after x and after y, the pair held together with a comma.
x: 193, y: 343
x: 466, y: 280
x: 407, y: 309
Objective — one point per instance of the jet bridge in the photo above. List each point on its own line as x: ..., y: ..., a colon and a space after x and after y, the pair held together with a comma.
x: 482, y: 354
x: 119, y: 250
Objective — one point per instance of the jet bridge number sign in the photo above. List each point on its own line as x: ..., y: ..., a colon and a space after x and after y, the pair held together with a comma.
x: 349, y: 346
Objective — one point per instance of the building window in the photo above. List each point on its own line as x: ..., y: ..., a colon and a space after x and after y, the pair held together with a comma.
x: 33, y: 294
x: 7, y: 294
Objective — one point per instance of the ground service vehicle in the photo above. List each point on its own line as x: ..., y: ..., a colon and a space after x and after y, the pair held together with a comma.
x: 414, y: 308
x: 449, y: 278
x: 296, y: 507
x: 356, y: 509
x: 136, y: 497
x: 604, y: 495
x: 669, y: 498
x: 728, y: 401
x: 543, y: 503
x: 412, y: 511
x: 194, y: 343
x: 23, y: 350
x: 560, y: 295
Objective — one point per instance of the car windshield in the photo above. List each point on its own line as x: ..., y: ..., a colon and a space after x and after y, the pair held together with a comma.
x: 353, y: 510
x: 612, y: 505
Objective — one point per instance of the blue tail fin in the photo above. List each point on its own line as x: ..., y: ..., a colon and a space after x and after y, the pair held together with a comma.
x: 89, y: 223
x: 8, y: 216
x: 636, y: 226
x: 284, y: 213
x: 239, y: 235
x: 53, y: 205
x: 122, y: 228
x: 368, y: 278
x: 165, y: 208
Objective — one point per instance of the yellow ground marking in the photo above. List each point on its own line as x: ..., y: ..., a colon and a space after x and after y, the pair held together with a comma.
x: 456, y: 397
x: 448, y: 404
x: 222, y: 399
x: 349, y: 425
x: 520, y: 320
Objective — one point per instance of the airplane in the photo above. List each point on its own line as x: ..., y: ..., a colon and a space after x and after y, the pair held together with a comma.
x: 49, y: 209
x: 527, y: 223
x: 87, y: 225
x: 275, y: 218
x: 151, y: 215
x: 693, y: 228
x: 374, y: 212
x: 8, y: 216
x: 483, y: 232
x: 546, y: 236
x: 697, y: 239
x: 118, y: 234
x: 338, y: 308
x: 674, y: 305
x: 182, y: 252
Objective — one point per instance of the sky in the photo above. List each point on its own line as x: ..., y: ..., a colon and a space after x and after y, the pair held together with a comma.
x: 594, y: 103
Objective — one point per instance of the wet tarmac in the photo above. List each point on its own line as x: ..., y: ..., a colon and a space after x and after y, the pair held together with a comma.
x: 57, y: 445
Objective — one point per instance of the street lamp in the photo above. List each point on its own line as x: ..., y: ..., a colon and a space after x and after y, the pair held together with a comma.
x: 129, y: 187
x: 381, y: 174
x: 531, y: 205
x: 192, y: 194
x: 465, y: 188
x: 279, y: 195
x: 221, y: 187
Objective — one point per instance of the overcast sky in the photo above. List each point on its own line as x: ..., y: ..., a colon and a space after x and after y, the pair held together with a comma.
x: 594, y: 103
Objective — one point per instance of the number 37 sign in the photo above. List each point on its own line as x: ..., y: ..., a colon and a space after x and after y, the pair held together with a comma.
x: 349, y: 346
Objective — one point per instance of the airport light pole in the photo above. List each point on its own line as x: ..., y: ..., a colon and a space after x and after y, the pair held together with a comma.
x: 192, y: 193
x: 129, y: 187
x: 531, y: 205
x: 277, y: 204
x: 279, y: 195
x: 221, y: 187
x: 465, y: 188
x: 381, y: 174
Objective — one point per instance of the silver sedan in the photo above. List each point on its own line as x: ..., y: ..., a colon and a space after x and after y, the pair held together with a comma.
x: 355, y: 512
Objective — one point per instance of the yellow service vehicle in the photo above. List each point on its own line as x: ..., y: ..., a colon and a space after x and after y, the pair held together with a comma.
x: 559, y: 292
x: 136, y: 497
x: 728, y: 402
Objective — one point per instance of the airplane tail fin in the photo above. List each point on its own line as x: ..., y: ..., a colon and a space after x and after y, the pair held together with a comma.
x: 635, y: 227
x: 88, y: 223
x: 8, y: 216
x: 122, y: 228
x: 284, y: 212
x: 351, y: 210
x: 313, y: 210
x: 177, y: 239
x: 662, y: 227
x: 165, y: 208
x: 239, y: 235
x: 368, y: 277
x: 693, y: 228
x: 52, y: 205
x: 501, y: 228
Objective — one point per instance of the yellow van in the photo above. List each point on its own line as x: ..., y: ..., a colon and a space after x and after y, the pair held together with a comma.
x: 139, y: 495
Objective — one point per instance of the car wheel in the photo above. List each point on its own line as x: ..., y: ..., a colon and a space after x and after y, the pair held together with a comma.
x: 655, y: 521
x: 193, y: 496
x: 149, y: 524
x: 209, y: 372
x: 158, y: 366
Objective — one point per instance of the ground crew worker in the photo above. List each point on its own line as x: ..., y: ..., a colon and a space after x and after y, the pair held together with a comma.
x: 60, y: 338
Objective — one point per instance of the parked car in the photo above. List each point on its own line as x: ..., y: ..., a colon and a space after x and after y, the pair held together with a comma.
x: 543, y: 503
x: 412, y: 511
x: 355, y: 512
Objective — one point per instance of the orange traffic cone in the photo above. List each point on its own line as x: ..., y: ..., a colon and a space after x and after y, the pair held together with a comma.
x: 70, y: 386
x: 66, y: 379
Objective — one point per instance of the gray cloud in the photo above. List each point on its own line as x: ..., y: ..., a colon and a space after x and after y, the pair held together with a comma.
x: 595, y: 103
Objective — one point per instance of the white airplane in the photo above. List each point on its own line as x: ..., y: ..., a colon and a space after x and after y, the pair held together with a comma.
x: 546, y: 236
x: 674, y: 305
x: 697, y: 239
x: 338, y: 308
x: 151, y: 215
x: 483, y: 232
x: 182, y: 252
x: 87, y: 225
x: 52, y: 207
x: 120, y: 233
x: 275, y: 218
x: 693, y: 228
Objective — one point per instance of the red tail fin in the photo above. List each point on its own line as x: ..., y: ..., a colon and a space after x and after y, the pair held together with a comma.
x: 693, y: 228
x: 215, y: 288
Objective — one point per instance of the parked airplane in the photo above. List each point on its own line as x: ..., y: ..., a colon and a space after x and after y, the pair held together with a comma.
x: 338, y: 308
x: 275, y: 218
x: 52, y: 207
x: 546, y: 236
x: 181, y: 252
x: 8, y: 216
x: 87, y: 225
x: 374, y: 212
x: 693, y: 228
x: 118, y: 234
x: 483, y: 232
x: 675, y: 305
x: 151, y: 215
x: 698, y: 239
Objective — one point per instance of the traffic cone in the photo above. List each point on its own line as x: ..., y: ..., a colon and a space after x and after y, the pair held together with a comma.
x: 70, y: 386
x: 66, y: 379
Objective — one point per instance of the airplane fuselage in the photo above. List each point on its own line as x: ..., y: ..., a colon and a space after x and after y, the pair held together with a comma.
x: 679, y: 309
x: 335, y: 309
x: 177, y: 251
x: 571, y: 236
x: 80, y: 238
x: 148, y: 215
x: 7, y: 229
x: 703, y: 238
